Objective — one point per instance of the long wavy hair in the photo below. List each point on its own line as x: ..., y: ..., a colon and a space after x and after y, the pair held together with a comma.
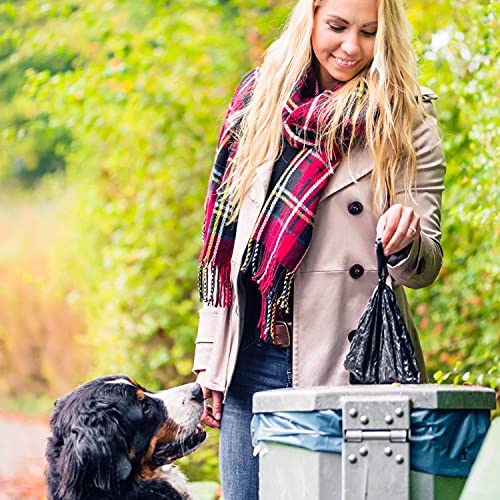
x: 391, y: 79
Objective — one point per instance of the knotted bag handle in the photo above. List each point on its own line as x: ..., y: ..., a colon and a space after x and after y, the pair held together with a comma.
x: 381, y: 261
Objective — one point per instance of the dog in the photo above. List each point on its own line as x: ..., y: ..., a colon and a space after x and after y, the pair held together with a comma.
x: 113, y: 439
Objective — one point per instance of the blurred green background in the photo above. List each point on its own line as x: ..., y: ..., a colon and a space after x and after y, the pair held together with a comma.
x: 110, y: 115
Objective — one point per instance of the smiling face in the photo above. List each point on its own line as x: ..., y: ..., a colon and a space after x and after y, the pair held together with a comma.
x: 343, y: 38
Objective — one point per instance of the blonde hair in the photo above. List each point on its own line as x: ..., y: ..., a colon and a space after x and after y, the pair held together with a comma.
x: 390, y: 78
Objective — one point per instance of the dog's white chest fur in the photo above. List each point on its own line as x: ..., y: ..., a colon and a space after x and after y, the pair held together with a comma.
x: 176, y: 478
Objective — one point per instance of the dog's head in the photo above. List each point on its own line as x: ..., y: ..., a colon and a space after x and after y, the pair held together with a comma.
x: 111, y: 430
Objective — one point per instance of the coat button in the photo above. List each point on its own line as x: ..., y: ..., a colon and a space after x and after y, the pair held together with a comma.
x: 355, y: 208
x: 356, y: 271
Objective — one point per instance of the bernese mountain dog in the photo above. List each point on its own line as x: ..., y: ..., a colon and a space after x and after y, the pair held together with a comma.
x: 113, y: 439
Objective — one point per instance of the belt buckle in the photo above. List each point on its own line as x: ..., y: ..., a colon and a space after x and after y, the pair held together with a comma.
x: 288, y: 336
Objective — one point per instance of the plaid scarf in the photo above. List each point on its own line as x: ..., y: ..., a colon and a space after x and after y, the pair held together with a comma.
x: 283, y: 231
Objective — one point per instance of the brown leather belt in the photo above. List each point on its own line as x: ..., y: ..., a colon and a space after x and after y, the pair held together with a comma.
x: 282, y: 335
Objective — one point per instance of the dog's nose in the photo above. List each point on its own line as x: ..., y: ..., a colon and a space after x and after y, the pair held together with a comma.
x: 197, y: 393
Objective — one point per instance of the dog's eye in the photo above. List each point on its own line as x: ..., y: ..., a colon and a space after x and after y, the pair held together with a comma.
x: 147, y: 408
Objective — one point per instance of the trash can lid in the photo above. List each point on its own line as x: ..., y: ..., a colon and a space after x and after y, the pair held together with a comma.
x: 429, y: 396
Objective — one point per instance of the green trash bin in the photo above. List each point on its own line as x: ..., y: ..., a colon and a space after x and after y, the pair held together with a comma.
x: 369, y: 442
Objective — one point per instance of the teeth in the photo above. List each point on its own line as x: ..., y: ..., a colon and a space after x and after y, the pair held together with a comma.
x: 345, y: 63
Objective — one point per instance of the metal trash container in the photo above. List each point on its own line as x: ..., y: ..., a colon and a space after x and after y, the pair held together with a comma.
x: 369, y: 442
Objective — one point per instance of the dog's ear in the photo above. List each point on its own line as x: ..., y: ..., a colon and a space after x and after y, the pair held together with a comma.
x: 94, y: 456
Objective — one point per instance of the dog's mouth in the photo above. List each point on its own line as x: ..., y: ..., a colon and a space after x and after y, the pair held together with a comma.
x: 166, y: 453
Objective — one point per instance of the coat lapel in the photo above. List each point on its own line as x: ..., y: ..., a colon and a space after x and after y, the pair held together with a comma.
x: 349, y: 170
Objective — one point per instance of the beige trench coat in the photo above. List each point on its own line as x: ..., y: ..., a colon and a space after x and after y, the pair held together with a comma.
x: 338, y: 274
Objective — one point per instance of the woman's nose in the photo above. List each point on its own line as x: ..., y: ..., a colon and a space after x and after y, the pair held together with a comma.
x: 350, y: 44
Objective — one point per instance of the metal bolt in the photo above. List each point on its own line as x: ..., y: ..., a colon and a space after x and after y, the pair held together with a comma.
x: 364, y: 419
x: 352, y: 458
x: 388, y: 451
x: 388, y: 419
x: 399, y: 412
x: 363, y: 451
x: 353, y: 412
x: 399, y: 459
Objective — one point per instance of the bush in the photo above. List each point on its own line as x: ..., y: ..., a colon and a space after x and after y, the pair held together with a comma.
x: 458, y: 316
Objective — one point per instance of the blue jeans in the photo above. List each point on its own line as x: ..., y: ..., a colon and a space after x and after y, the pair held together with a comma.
x: 259, y: 367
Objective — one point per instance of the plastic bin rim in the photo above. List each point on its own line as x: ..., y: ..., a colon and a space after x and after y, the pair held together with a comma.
x: 424, y: 396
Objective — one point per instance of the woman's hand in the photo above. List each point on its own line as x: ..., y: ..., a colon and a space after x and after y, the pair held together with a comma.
x: 397, y: 228
x: 212, y: 413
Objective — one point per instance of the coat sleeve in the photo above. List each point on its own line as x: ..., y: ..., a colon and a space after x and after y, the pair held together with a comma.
x: 421, y: 266
x: 212, y: 320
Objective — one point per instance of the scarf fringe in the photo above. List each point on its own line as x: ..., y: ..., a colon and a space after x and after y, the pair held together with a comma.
x: 214, y: 284
x: 275, y: 286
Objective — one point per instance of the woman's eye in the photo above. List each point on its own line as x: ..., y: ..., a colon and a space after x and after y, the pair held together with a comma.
x: 336, y: 28
x: 369, y: 33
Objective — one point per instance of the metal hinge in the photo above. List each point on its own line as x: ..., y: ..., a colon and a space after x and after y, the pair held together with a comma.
x: 375, y: 451
x: 393, y: 436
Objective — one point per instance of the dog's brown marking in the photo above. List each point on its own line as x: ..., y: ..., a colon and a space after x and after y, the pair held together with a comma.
x: 147, y: 472
x: 139, y: 394
x: 167, y: 432
x: 149, y: 453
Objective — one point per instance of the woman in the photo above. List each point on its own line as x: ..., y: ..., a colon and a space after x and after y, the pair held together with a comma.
x: 326, y: 146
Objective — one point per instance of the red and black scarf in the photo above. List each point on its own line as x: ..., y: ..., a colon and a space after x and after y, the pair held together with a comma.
x: 283, y: 231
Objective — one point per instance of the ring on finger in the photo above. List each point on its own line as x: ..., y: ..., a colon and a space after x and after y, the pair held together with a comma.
x: 412, y: 229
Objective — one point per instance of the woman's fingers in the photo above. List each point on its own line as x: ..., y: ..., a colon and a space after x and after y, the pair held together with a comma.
x: 217, y: 404
x: 212, y: 415
x: 397, y: 228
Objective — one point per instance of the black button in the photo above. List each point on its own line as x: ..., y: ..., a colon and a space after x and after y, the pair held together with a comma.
x: 350, y: 335
x: 421, y: 266
x: 355, y: 208
x: 356, y: 271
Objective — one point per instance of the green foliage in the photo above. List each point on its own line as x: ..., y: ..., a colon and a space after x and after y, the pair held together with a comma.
x: 29, y: 44
x: 459, y: 315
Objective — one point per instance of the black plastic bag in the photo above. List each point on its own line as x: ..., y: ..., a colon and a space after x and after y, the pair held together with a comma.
x: 381, y: 349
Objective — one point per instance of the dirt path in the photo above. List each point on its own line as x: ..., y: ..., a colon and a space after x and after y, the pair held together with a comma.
x: 22, y: 462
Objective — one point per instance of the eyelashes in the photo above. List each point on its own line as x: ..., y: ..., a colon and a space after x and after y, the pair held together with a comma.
x: 337, y: 29
x: 340, y: 29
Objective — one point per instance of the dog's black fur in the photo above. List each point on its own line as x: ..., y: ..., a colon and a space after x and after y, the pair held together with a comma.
x: 111, y: 436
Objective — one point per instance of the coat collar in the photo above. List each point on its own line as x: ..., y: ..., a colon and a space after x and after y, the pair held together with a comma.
x: 350, y: 170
